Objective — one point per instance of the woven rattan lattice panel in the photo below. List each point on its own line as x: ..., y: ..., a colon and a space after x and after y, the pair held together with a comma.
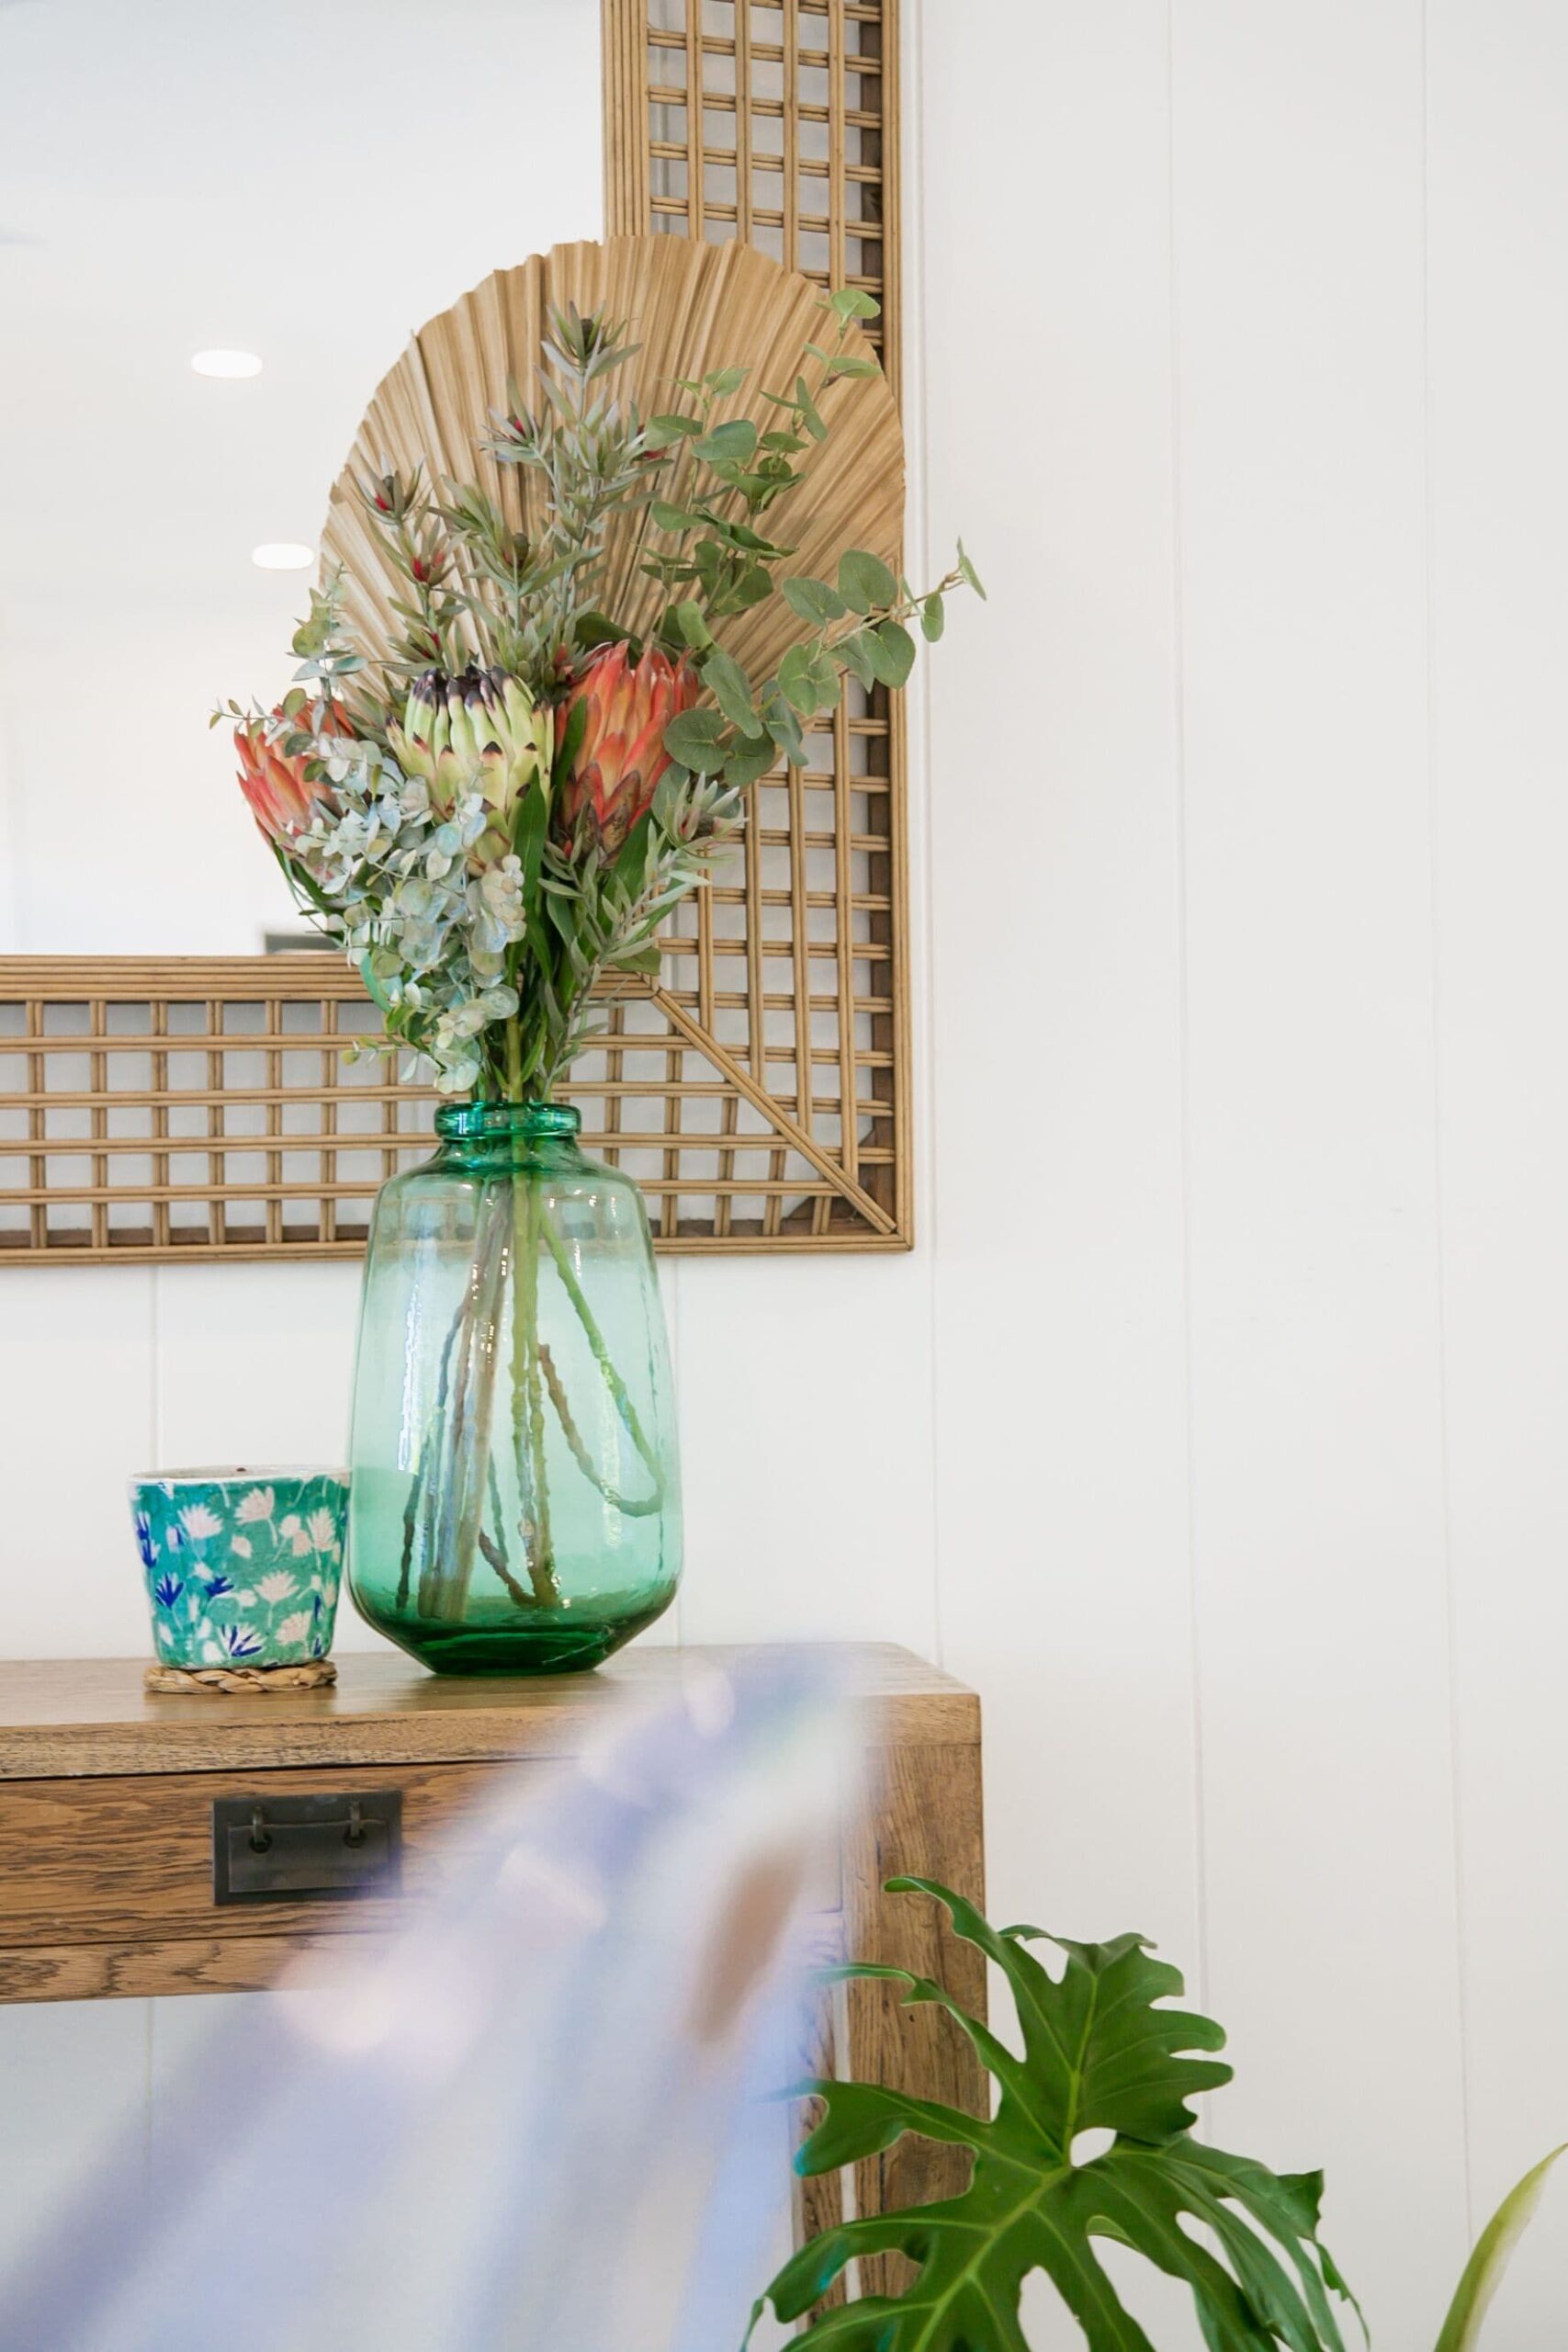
x: 774, y: 120
x: 153, y: 1109
x: 777, y: 123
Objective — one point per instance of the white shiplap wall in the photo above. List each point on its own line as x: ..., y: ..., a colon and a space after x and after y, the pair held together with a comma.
x: 1214, y: 1430
x: 1251, y: 1350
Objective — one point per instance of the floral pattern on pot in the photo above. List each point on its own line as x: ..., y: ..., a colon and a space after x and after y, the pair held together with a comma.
x: 243, y: 1567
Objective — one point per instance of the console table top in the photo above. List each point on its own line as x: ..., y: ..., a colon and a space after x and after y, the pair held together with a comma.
x: 69, y: 1717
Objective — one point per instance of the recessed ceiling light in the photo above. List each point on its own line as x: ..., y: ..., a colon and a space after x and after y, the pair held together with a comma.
x: 226, y: 363
x: 283, y: 555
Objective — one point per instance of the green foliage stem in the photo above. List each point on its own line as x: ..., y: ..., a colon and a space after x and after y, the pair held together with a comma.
x: 1484, y: 2272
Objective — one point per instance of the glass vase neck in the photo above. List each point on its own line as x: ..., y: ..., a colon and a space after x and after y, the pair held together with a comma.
x: 501, y: 1125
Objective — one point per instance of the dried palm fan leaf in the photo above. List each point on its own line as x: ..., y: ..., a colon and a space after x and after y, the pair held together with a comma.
x: 692, y: 308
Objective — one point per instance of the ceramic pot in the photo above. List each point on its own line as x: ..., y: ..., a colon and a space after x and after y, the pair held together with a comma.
x: 243, y: 1567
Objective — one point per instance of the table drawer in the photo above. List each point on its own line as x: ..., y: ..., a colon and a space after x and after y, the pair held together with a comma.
x: 127, y: 1861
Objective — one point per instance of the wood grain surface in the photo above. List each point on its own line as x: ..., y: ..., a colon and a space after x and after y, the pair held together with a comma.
x: 62, y: 1717
x: 142, y: 1970
x: 106, y: 1794
x: 106, y: 1843
x: 923, y: 1819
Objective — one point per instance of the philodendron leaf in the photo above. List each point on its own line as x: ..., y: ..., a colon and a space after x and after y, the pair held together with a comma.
x: 1100, y: 2050
x: 1483, y: 2271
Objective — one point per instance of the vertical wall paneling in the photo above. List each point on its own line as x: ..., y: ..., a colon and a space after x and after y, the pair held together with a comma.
x: 793, y: 1382
x: 1497, y: 206
x: 255, y: 1369
x: 1060, y: 1405
x: 1318, y: 1494
x: 76, y: 1376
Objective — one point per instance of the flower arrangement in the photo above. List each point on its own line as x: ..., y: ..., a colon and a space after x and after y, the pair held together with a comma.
x: 492, y: 789
x: 494, y: 809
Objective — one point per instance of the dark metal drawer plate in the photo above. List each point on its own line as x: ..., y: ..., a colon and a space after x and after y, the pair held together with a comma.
x: 288, y: 1849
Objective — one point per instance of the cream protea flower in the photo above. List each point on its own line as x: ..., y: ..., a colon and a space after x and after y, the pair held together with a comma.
x: 259, y: 1503
x: 321, y: 1529
x: 294, y: 1628
x: 199, y: 1523
x: 276, y: 1587
x: 241, y: 1544
x: 481, y: 733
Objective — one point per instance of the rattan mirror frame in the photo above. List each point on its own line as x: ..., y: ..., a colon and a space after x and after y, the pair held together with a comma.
x: 179, y: 1109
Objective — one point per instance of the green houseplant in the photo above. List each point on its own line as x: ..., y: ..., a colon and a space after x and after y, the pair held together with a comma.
x: 1100, y: 2051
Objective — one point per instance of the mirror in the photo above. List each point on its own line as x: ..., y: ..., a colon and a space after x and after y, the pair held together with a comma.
x: 303, y: 183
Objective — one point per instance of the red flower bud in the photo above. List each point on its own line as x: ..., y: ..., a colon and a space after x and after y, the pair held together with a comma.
x: 275, y: 785
x: 622, y: 755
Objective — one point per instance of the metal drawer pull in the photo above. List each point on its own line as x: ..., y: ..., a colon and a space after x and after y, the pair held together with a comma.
x: 291, y: 1848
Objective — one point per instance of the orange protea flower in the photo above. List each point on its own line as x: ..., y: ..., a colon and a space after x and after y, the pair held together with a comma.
x: 622, y: 755
x: 275, y: 784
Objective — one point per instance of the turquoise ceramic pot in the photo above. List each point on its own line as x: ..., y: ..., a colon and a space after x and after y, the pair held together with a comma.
x: 243, y: 1567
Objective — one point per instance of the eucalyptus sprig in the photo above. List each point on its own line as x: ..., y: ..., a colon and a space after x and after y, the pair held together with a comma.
x: 858, y: 629
x: 727, y: 475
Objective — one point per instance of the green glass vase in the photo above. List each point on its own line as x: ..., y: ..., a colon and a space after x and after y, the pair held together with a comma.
x: 515, y: 1503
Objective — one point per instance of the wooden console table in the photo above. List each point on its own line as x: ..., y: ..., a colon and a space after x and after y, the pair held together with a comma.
x: 108, y: 1833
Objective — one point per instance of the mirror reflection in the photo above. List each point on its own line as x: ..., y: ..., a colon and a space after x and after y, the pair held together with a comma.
x: 218, y: 223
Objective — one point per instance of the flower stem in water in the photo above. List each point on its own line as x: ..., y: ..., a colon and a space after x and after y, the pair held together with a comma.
x: 528, y: 1390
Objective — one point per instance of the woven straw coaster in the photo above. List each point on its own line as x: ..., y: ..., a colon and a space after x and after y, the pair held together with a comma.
x: 244, y: 1681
